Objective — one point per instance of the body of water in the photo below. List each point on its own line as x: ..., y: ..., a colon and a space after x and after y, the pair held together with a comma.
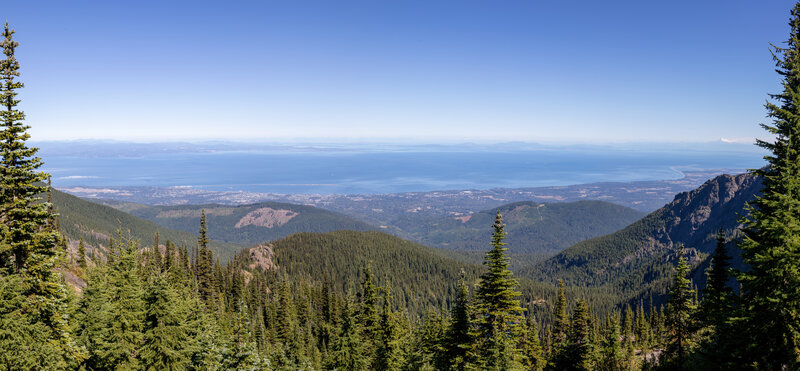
x: 384, y: 172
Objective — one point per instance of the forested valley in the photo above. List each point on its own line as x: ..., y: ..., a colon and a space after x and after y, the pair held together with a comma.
x: 365, y: 300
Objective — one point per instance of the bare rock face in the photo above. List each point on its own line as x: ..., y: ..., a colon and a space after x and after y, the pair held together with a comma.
x: 261, y: 256
x: 693, y: 217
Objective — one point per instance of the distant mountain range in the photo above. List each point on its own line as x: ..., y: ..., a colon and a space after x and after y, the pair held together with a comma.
x: 639, y: 258
x: 96, y: 223
x: 631, y: 263
x: 246, y: 224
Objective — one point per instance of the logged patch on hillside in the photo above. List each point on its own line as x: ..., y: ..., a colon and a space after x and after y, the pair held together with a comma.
x: 266, y: 217
x: 195, y: 213
x: 464, y: 218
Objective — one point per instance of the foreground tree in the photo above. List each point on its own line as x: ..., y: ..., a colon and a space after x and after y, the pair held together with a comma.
x: 716, y: 308
x: 612, y: 356
x: 578, y: 351
x: 498, y: 311
x: 168, y: 343
x: 28, y: 237
x: 457, y: 339
x: 771, y: 247
x: 533, y: 355
x: 680, y: 308
x: 205, y: 264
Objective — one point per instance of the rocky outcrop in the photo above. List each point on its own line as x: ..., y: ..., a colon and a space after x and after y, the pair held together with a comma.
x: 261, y: 256
x: 645, y: 251
x: 692, y: 217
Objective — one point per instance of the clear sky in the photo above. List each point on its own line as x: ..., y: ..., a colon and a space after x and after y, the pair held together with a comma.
x: 564, y: 71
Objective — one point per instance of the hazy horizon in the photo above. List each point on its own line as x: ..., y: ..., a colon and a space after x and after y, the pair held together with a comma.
x: 353, y: 70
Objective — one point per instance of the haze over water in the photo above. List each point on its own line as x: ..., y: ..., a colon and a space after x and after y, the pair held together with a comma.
x: 370, y: 171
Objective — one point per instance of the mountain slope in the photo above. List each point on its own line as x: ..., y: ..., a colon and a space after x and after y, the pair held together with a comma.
x: 247, y: 224
x: 96, y: 223
x: 420, y: 277
x: 542, y: 228
x: 642, y: 255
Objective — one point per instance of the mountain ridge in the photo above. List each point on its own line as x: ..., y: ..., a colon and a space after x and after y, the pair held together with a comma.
x: 642, y: 254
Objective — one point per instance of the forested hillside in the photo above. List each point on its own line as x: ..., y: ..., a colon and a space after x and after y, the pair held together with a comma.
x: 95, y: 224
x: 539, y: 228
x: 639, y: 258
x: 247, y: 224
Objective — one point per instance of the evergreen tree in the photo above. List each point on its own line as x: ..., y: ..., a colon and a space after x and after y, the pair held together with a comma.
x: 157, y: 259
x: 680, y: 308
x: 533, y: 356
x: 498, y: 310
x: 425, y: 342
x: 286, y: 326
x: 579, y: 352
x: 81, y: 254
x: 242, y: 353
x: 121, y: 336
x: 612, y: 357
x: 23, y: 216
x: 368, y: 317
x: 561, y: 325
x: 25, y: 342
x: 28, y: 238
x: 167, y: 338
x: 204, y: 264
x: 388, y: 355
x: 457, y: 339
x: 169, y: 256
x: 347, y: 348
x: 717, y: 307
x: 93, y: 311
x: 211, y: 347
x: 771, y: 287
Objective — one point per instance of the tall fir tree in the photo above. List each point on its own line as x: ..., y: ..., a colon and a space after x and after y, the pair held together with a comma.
x: 21, y: 184
x: 158, y: 260
x: 388, y: 354
x: 347, y: 349
x: 579, y: 352
x: 368, y: 317
x: 679, y: 314
x: 122, y: 334
x: 425, y: 342
x: 204, y: 265
x: 561, y: 326
x: 499, y: 314
x: 168, y: 342
x: 81, y: 254
x: 771, y: 247
x: 458, y: 339
x: 29, y: 241
x: 242, y: 354
x: 532, y: 353
x: 612, y: 356
x: 717, y: 307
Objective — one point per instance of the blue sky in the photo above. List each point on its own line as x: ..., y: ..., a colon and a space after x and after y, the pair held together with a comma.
x: 540, y: 71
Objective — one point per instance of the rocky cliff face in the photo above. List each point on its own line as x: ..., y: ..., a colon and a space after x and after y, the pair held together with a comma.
x: 694, y: 217
x: 642, y: 254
